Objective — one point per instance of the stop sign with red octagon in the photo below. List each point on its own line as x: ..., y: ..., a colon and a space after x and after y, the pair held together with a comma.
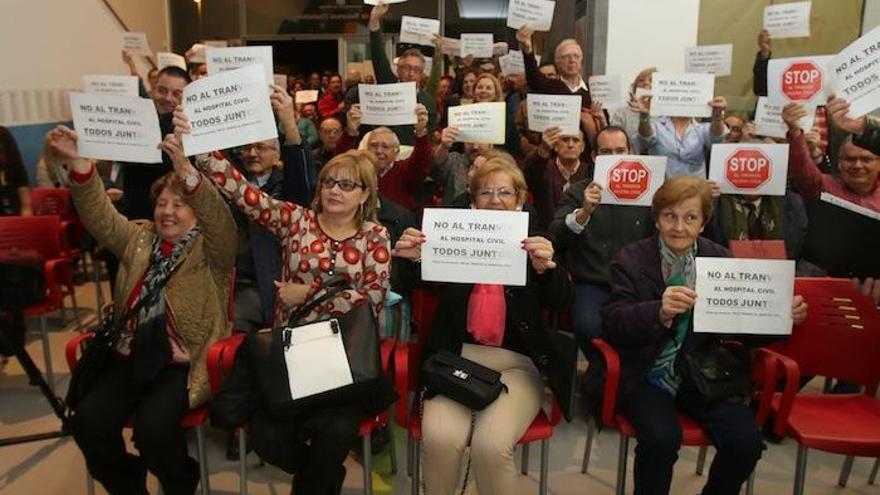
x: 628, y: 180
x: 802, y: 80
x: 747, y: 169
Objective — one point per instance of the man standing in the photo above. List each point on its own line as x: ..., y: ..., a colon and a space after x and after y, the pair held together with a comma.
x: 552, y: 168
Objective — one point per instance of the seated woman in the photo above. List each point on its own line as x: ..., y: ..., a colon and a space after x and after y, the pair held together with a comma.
x: 338, y: 236
x: 506, y: 334
x: 177, y: 270
x: 648, y: 320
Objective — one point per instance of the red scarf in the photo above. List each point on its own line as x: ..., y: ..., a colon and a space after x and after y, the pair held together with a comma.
x: 487, y: 310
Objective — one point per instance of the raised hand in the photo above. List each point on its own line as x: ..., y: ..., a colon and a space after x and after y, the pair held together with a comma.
x: 376, y: 15
x: 353, y: 119
x: 409, y: 246
x: 61, y: 145
x: 180, y: 121
x: 592, y: 198
x: 719, y: 105
x: 837, y: 109
x: 524, y: 36
x: 540, y: 252
x: 765, y: 44
x: 172, y: 147
x: 792, y: 115
x: 448, y: 136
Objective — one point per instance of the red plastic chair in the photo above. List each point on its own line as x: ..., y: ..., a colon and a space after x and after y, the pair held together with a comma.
x: 839, y: 339
x: 692, y: 434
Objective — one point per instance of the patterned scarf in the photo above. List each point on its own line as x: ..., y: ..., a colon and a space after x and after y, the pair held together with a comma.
x: 150, y: 349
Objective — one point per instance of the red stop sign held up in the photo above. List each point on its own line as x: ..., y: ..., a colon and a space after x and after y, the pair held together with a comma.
x: 747, y: 169
x: 801, y: 81
x: 628, y: 180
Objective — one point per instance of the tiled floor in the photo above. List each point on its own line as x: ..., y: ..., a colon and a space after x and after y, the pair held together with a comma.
x: 54, y: 467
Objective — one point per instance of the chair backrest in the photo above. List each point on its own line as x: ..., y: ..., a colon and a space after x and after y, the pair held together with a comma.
x: 841, y: 335
x: 424, y: 306
x: 40, y: 233
x: 50, y: 201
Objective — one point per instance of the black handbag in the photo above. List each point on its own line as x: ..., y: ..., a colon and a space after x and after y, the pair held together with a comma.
x: 462, y: 380
x: 712, y: 373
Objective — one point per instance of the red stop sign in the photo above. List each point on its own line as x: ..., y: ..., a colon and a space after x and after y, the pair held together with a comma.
x: 747, y: 169
x: 628, y: 180
x: 802, y: 80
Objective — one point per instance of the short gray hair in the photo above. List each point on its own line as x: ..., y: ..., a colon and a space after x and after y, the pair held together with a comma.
x: 562, y: 44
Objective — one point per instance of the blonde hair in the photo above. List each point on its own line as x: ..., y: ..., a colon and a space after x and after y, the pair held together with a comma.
x: 679, y: 189
x: 499, y: 161
x: 362, y: 166
x: 499, y: 93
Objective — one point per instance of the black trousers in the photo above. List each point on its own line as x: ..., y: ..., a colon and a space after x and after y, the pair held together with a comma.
x: 158, y: 409
x: 730, y: 426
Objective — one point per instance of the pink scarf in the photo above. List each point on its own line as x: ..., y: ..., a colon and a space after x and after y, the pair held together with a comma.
x: 486, y: 314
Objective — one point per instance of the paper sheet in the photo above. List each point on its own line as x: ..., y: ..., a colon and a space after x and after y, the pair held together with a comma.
x: 682, y: 95
x: 750, y: 168
x: 118, y: 128
x: 537, y: 14
x: 236, y: 57
x: 111, y: 85
x: 388, y: 104
x: 479, y: 122
x: 629, y: 180
x: 316, y: 360
x: 546, y: 111
x: 788, y: 20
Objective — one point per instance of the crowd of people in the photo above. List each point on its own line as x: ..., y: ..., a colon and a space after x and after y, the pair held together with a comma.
x: 332, y: 196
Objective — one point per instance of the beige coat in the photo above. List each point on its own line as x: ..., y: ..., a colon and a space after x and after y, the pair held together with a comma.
x: 197, y: 295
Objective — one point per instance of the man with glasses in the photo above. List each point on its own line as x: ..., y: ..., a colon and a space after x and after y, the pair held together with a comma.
x: 552, y: 168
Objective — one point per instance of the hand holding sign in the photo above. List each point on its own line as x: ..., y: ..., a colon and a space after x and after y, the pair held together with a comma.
x: 676, y: 300
x: 172, y: 147
x: 61, y: 148
x: 540, y: 252
x: 409, y: 245
x: 838, y: 109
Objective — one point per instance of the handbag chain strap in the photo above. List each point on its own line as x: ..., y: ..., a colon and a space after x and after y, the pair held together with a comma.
x: 467, y: 469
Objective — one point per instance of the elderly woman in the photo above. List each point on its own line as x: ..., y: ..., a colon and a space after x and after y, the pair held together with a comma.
x: 627, y: 117
x: 502, y: 328
x: 648, y: 320
x: 176, y: 270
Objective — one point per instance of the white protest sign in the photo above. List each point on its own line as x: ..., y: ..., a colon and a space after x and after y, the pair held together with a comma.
x: 629, y: 180
x: 168, y: 59
x: 479, y: 122
x: 855, y: 74
x: 513, y: 63
x: 537, y: 14
x: 750, y: 168
x: 500, y: 48
x: 799, y: 80
x: 451, y: 47
x: 388, y: 104
x: 788, y: 20
x: 848, y: 205
x: 118, y: 128
x: 236, y: 57
x: 477, y: 44
x: 418, y: 30
x: 607, y: 90
x: 136, y: 43
x: 709, y: 59
x: 546, y: 111
x: 227, y: 110
x: 196, y: 54
x: 304, y: 96
x: 768, y: 119
x: 429, y: 64
x: 474, y: 246
x: 280, y: 80
x: 682, y: 95
x: 111, y: 85
x: 743, y: 296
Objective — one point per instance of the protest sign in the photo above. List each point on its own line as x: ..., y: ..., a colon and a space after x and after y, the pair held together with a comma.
x: 111, y: 85
x: 236, y: 57
x: 749, y: 168
x: 682, y: 95
x: 196, y: 54
x: 418, y: 30
x: 168, y: 59
x: 855, y: 74
x: 474, y: 246
x: 743, y: 296
x: 479, y: 122
x: 227, y: 110
x: 768, y: 119
x: 788, y: 20
x: 477, y: 44
x: 798, y: 80
x: 537, y: 14
x: 388, y: 104
x: 546, y: 111
x: 136, y: 43
x: 118, y: 128
x: 451, y: 47
x: 607, y: 90
x: 629, y: 180
x: 513, y: 63
x: 709, y: 59
x: 304, y: 96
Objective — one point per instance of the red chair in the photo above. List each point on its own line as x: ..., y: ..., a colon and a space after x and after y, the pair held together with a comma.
x: 692, y: 434
x: 839, y: 339
x: 221, y: 357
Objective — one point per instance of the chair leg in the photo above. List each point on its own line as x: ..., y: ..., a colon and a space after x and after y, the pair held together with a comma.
x: 76, y: 317
x: 242, y: 461
x: 621, y: 464
x: 203, y: 459
x: 47, y: 353
x: 873, y: 477
x: 392, y: 449
x: 701, y: 460
x: 368, y: 465
x: 524, y: 467
x: 591, y: 431
x: 415, y: 467
x: 545, y: 466
x: 800, y: 470
x: 846, y: 470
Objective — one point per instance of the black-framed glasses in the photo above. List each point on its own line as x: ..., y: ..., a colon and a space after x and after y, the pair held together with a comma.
x: 344, y: 184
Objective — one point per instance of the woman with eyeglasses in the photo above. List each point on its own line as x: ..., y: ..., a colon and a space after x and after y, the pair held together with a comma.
x: 500, y: 327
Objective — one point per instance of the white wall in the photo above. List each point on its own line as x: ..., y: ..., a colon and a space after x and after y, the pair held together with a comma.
x: 645, y: 33
x: 872, y: 15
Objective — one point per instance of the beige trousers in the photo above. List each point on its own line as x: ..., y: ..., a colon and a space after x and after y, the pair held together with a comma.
x: 446, y: 423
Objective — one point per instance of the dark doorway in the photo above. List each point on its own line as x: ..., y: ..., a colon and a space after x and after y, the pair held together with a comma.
x: 302, y: 56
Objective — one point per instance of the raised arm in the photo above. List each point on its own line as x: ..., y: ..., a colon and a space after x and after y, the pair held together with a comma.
x: 418, y: 166
x: 801, y: 167
x: 381, y: 65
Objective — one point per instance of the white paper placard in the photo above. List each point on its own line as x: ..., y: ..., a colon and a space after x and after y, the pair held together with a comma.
x: 196, y: 54
x: 500, y: 48
x: 848, y: 205
x: 709, y: 59
x: 768, y: 119
x: 855, y: 74
x: 743, y: 296
x: 111, y: 85
x: 513, y: 63
x: 418, y: 30
x: 304, y: 96
x: 227, y: 110
x: 429, y: 64
x: 477, y: 44
x: 629, y: 180
x: 216, y: 43
x: 316, y: 360
x: 474, y: 246
x: 537, y: 14
x: 682, y: 95
x: 749, y: 168
x: 479, y: 122
x: 451, y: 47
x: 236, y: 57
x: 168, y: 59
x: 801, y: 80
x: 788, y: 20
x: 118, y: 128
x: 136, y: 43
x: 607, y: 90
x: 388, y: 104
x: 546, y: 111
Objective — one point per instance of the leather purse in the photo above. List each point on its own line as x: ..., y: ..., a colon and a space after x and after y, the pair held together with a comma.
x: 462, y: 380
x: 712, y: 373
